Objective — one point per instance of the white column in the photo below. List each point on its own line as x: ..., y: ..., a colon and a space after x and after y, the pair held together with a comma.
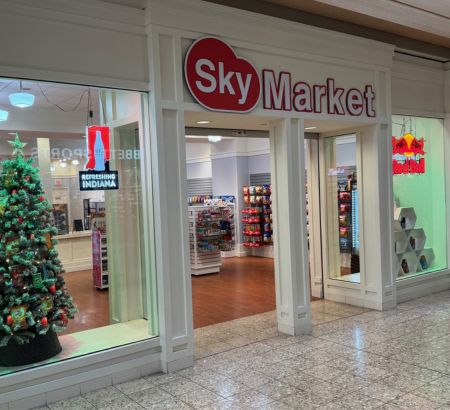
x: 44, y: 162
x: 168, y: 153
x: 378, y: 286
x: 315, y: 244
x: 289, y: 221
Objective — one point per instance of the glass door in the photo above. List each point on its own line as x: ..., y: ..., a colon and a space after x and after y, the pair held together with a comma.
x: 343, y: 207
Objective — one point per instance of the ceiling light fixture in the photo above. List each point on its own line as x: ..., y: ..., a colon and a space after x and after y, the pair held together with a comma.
x: 21, y: 99
x: 214, y: 138
x: 3, y: 115
x: 63, y: 164
x: 75, y: 162
x: 310, y: 128
x: 203, y: 122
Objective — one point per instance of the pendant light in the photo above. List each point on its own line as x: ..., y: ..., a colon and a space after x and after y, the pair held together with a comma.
x: 21, y: 99
x: 3, y: 115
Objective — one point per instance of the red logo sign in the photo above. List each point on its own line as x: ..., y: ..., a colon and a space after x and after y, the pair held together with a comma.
x: 408, y: 155
x: 219, y: 79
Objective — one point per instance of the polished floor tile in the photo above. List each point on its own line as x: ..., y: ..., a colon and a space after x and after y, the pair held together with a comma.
x: 354, y: 359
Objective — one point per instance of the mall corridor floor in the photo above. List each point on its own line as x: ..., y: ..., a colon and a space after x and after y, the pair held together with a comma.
x: 354, y: 359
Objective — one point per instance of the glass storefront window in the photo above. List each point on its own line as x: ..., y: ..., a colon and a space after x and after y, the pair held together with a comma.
x: 419, y: 195
x: 342, y: 198
x: 99, y: 233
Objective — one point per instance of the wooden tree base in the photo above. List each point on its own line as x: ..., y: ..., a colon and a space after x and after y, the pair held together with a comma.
x: 42, y: 347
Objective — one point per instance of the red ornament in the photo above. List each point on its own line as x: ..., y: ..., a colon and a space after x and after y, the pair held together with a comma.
x: 14, y: 191
x: 44, y: 321
x: 20, y: 219
x: 32, y: 236
x: 27, y: 178
x: 52, y: 289
x: 41, y: 198
x: 9, y: 320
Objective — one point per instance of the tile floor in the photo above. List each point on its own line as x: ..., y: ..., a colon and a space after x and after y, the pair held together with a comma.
x: 354, y: 359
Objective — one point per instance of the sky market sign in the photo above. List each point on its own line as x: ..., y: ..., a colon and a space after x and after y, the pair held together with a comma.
x: 220, y: 80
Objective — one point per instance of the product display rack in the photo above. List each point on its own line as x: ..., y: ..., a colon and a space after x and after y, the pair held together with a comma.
x: 100, y: 253
x: 409, y: 244
x: 257, y: 216
x: 348, y: 220
x: 211, y: 230
x: 61, y: 218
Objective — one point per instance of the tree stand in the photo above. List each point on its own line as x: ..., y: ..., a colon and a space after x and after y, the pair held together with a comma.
x: 41, y: 347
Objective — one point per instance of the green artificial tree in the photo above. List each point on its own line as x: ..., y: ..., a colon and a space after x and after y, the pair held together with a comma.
x: 34, y: 301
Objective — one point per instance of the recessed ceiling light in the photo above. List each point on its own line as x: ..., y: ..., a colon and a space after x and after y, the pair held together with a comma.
x: 3, y: 115
x: 21, y: 99
x: 214, y: 138
x: 203, y: 122
x: 63, y: 164
x: 310, y: 128
x: 75, y: 162
x: 52, y: 169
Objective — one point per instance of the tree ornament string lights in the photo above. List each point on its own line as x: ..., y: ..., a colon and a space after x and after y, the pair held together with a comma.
x: 34, y: 301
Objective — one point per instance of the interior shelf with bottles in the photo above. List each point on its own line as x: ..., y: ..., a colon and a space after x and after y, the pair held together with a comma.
x: 347, y: 199
x: 412, y: 256
x: 100, y: 270
x: 211, y: 231
x: 256, y: 217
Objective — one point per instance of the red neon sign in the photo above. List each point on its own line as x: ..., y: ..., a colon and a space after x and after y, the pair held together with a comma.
x: 408, y: 155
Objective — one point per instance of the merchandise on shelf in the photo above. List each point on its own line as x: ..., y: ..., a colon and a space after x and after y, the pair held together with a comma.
x: 257, y: 216
x: 198, y: 199
x: 409, y: 244
x: 211, y: 230
x: 60, y: 218
x: 347, y: 199
x: 100, y: 272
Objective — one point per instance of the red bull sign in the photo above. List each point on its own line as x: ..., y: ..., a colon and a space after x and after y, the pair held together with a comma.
x: 408, y: 155
x: 97, y: 175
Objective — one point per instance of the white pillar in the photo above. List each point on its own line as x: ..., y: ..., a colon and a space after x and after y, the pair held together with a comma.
x: 289, y: 222
x: 378, y: 288
x: 315, y: 239
x: 168, y: 153
x: 44, y: 162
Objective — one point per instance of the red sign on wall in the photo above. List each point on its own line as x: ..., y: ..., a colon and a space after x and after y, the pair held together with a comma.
x: 408, y: 155
x: 220, y: 80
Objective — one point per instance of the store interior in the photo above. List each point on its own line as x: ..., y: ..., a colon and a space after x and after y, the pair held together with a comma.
x: 228, y: 168
x: 106, y: 285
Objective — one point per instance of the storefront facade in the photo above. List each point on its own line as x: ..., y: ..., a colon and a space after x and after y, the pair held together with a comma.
x: 285, y: 73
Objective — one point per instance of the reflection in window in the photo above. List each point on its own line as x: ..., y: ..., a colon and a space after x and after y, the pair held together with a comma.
x: 420, y: 237
x: 342, y: 208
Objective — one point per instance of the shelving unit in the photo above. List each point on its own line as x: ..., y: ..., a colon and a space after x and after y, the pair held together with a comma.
x: 100, y: 253
x: 211, y: 230
x: 61, y: 218
x: 257, y: 216
x: 409, y: 244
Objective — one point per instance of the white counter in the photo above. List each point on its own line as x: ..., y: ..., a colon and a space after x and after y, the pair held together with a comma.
x: 75, y: 250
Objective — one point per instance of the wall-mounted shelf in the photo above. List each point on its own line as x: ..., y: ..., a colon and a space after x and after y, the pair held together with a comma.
x: 409, y: 244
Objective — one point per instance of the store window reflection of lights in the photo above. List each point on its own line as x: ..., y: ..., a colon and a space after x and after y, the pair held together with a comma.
x: 3, y: 115
x: 21, y: 100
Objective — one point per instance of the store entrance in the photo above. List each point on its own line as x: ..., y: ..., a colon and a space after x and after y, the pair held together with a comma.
x: 230, y: 220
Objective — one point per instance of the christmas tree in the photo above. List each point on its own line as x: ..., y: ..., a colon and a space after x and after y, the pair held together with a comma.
x: 33, y: 296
